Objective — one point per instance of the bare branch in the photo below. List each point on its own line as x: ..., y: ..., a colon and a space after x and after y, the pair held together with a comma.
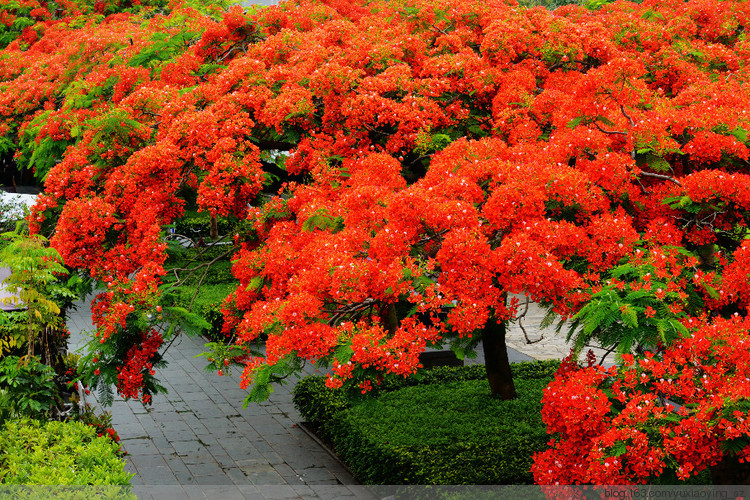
x: 625, y: 114
x: 609, y: 131
x: 520, y: 324
x: 351, y: 309
x: 441, y: 31
x: 661, y: 176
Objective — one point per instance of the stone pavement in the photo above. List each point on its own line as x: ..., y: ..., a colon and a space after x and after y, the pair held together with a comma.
x: 198, y: 442
x: 542, y: 343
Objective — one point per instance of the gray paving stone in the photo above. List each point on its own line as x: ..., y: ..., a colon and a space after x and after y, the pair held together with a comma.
x: 205, y: 469
x: 198, y: 438
x: 277, y: 491
x: 190, y: 447
x: 131, y: 430
x: 139, y: 446
x: 265, y: 478
x: 142, y: 462
x: 179, y: 434
x: 317, y: 475
x: 223, y: 492
x: 198, y: 458
x: 334, y: 492
x: 272, y: 457
x: 184, y: 477
x: 236, y: 475
x: 290, y: 475
x: 157, y: 475
x: 214, y: 479
x: 250, y: 491
x: 224, y: 460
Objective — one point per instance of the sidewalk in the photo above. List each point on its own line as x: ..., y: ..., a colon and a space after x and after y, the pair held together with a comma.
x: 197, y: 441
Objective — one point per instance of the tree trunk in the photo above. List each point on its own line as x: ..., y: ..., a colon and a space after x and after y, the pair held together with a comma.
x: 214, y: 228
x: 730, y: 471
x: 707, y: 255
x: 390, y: 319
x: 496, y: 361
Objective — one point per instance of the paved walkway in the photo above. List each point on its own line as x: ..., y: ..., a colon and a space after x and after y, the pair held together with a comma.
x: 197, y: 441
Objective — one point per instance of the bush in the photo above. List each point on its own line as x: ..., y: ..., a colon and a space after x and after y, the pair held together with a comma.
x: 27, y: 388
x: 197, y: 225
x: 61, y: 453
x: 443, y: 428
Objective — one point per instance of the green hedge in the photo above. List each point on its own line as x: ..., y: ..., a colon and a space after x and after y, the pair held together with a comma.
x: 440, y: 428
x: 207, y: 304
x: 59, y: 453
x: 196, y: 225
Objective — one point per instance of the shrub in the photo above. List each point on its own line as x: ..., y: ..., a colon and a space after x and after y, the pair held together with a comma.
x: 12, y: 333
x: 443, y: 434
x: 61, y: 453
x: 197, y: 225
x: 207, y: 304
x: 27, y: 387
x: 316, y: 403
x: 442, y: 428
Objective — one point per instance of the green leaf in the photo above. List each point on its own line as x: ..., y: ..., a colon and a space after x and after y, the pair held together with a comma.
x: 629, y: 316
x: 740, y: 134
x: 606, y: 121
x: 574, y: 122
x: 618, y: 449
x: 255, y: 284
x: 653, y: 162
x: 712, y: 292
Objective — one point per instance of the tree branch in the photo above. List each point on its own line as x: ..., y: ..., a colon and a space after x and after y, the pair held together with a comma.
x: 626, y: 115
x: 609, y: 131
x: 661, y: 176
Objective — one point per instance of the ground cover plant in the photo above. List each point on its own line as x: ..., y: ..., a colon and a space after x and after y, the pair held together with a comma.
x: 60, y: 453
x: 395, y: 170
x: 418, y: 432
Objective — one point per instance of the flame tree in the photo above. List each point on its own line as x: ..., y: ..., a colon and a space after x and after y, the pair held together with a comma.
x: 399, y: 168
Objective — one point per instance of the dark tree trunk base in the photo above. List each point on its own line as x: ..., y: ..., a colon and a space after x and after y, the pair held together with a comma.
x: 730, y: 471
x: 496, y: 361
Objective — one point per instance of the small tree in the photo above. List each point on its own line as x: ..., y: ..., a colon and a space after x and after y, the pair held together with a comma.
x: 36, y: 270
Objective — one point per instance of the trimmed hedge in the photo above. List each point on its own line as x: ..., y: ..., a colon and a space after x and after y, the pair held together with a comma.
x: 207, y: 304
x: 442, y: 428
x: 197, y: 225
x: 59, y: 453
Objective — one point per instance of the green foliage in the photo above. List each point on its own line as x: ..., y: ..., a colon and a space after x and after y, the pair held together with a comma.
x: 197, y: 225
x: 316, y: 403
x: 61, y: 453
x: 27, y: 387
x: 222, y: 357
x: 265, y: 377
x: 430, y: 143
x: 112, y: 132
x: 415, y: 431
x: 625, y: 314
x: 34, y: 278
x: 12, y: 332
x: 41, y: 155
x: 553, y: 4
x: 324, y: 221
x: 207, y: 306
x: 163, y: 49
x: 199, y: 280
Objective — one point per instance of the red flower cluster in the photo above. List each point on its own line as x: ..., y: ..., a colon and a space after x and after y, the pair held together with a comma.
x: 138, y: 365
x: 680, y: 410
